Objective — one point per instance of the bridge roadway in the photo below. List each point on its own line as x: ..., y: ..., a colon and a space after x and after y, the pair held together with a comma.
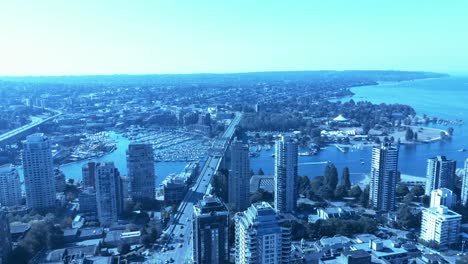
x: 18, y: 131
x: 181, y: 231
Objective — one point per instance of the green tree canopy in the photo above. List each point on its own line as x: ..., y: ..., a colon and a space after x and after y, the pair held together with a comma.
x: 345, y: 179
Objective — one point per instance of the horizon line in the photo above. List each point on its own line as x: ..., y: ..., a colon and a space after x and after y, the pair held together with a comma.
x: 221, y: 73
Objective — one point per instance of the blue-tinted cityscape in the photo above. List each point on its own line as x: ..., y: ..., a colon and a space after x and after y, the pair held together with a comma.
x: 157, y: 132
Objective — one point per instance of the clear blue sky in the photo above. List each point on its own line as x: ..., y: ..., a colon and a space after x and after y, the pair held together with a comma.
x: 65, y: 37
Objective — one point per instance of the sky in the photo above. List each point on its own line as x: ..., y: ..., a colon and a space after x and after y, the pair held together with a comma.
x: 82, y: 37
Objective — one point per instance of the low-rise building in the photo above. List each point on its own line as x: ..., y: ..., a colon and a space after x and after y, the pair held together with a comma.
x: 334, y: 212
x: 441, y: 225
x: 388, y: 251
x: 264, y: 182
x: 174, y: 188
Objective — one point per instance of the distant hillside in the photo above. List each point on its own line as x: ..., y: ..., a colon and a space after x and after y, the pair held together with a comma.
x: 365, y: 77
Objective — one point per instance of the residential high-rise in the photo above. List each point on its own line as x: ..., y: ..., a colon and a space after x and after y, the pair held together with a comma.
x: 440, y: 173
x: 140, y: 163
x: 210, y: 231
x: 239, y: 177
x: 38, y: 169
x: 441, y: 225
x: 383, y: 177
x: 260, y: 236
x: 285, y: 174
x: 5, y: 237
x: 88, y: 174
x: 108, y: 193
x: 464, y: 188
x: 443, y: 196
x: 10, y: 186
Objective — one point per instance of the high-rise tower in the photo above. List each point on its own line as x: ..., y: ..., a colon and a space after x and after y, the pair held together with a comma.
x: 10, y: 186
x: 38, y: 169
x: 210, y: 231
x: 440, y: 174
x: 109, y: 197
x: 285, y: 174
x: 260, y: 236
x: 140, y: 163
x: 239, y: 177
x: 383, y: 178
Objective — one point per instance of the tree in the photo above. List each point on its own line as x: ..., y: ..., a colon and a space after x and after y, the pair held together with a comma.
x: 408, y: 198
x: 355, y: 191
x: 415, y: 136
x: 303, y: 185
x: 123, y: 248
x: 402, y: 190
x: 417, y: 190
x: 345, y: 180
x: 409, y: 134
x: 316, y: 183
x: 406, y: 219
x: 364, y: 197
x: 331, y: 176
x: 340, y: 191
x: 261, y: 196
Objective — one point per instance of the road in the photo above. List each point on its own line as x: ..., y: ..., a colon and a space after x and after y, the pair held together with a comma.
x: 180, y: 233
x: 35, y: 122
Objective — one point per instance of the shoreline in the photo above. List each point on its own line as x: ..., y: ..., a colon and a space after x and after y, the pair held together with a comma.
x: 404, y: 178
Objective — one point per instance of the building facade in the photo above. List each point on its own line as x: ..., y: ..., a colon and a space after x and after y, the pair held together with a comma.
x: 141, y: 176
x: 441, y: 225
x: 286, y: 151
x: 260, y: 236
x: 443, y: 196
x: 87, y: 200
x: 210, y: 231
x: 88, y: 174
x: 464, y: 189
x: 239, y: 177
x: 109, y: 197
x: 383, y: 177
x: 440, y: 173
x: 38, y: 169
x: 10, y: 186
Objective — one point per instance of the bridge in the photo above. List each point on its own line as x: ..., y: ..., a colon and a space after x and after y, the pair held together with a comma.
x: 179, y: 233
x: 20, y: 132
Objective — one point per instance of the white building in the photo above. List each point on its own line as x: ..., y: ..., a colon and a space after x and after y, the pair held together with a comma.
x: 260, y: 237
x: 38, y: 169
x: 441, y: 225
x: 443, y: 196
x: 239, y: 176
x: 384, y: 171
x: 285, y: 174
x: 10, y: 186
x: 464, y: 189
x: 109, y: 197
x: 141, y: 176
x: 440, y: 173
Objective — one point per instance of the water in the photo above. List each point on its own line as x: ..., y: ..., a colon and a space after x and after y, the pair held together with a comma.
x: 162, y: 169
x: 443, y: 98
